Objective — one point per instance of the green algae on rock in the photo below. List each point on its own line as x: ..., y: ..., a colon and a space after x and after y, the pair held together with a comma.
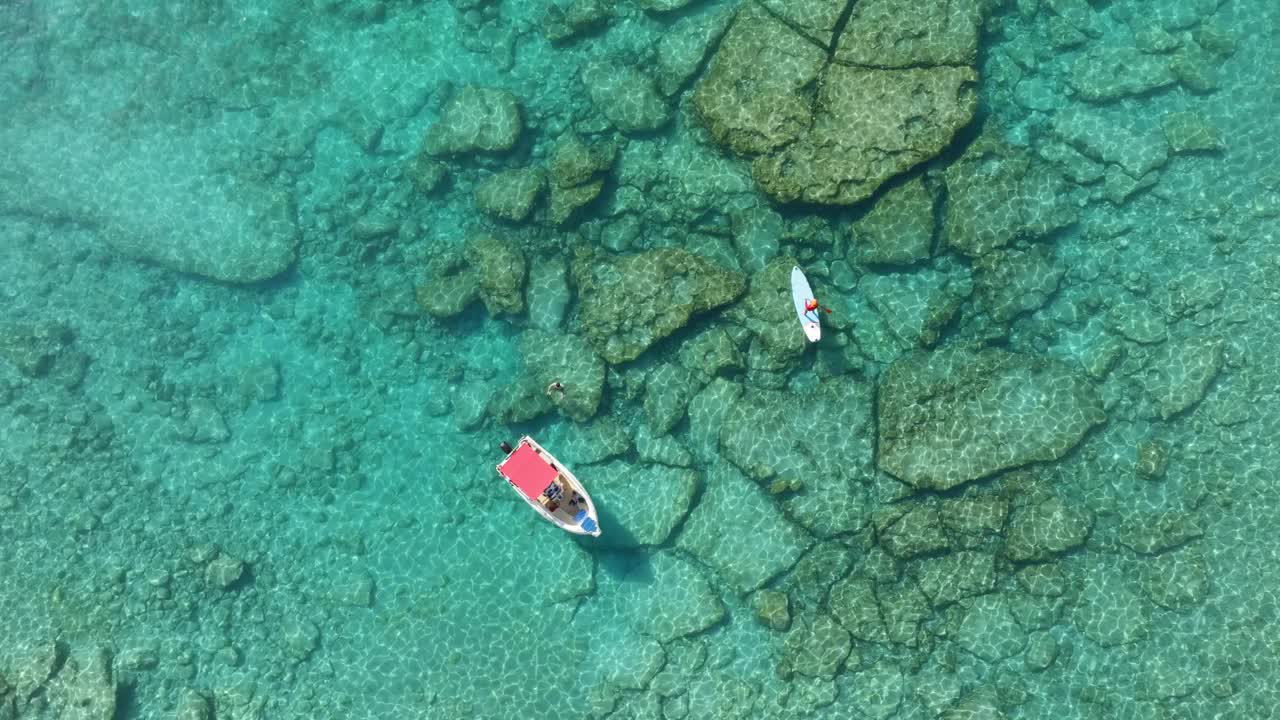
x: 1046, y: 529
x: 476, y: 119
x: 868, y: 121
x: 961, y: 413
x: 997, y: 193
x: 899, y: 228
x: 500, y: 270
x: 752, y: 96
x: 626, y: 96
x: 868, y: 126
x: 574, y: 174
x: 628, y: 303
x: 906, y: 33
x: 510, y: 194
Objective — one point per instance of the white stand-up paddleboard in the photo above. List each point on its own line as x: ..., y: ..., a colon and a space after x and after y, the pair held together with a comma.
x: 800, y: 292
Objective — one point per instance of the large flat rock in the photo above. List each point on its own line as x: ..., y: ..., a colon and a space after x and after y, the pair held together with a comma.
x: 963, y: 413
x: 816, y: 457
x: 826, y: 111
x: 733, y: 508
x: 639, y: 504
x: 870, y: 124
x: 629, y: 303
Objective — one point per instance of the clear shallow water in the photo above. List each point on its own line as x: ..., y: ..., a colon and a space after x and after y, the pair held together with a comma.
x: 246, y: 471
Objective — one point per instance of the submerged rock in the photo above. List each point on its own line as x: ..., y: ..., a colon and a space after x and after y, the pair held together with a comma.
x: 640, y: 504
x: 767, y: 311
x: 900, y: 88
x: 547, y: 293
x: 682, y: 48
x: 772, y: 609
x: 1046, y: 529
x: 551, y: 357
x: 446, y: 296
x: 1176, y: 580
x: 1013, y: 281
x: 1180, y: 373
x: 915, y: 306
x: 961, y: 413
x: 34, y: 348
x: 849, y: 152
x: 732, y: 508
x: 815, y: 19
x: 1152, y: 534
x: 668, y: 390
x: 752, y: 96
x: 1100, y: 139
x: 1109, y: 612
x: 997, y: 193
x: 631, y: 302
x: 1108, y: 73
x: 990, y: 631
x: 899, y: 227
x: 1188, y: 132
x: 579, y: 17
x: 575, y: 175
x: 510, y: 194
x: 906, y: 33
x: 500, y: 269
x: 815, y: 647
x: 951, y: 578
x: 547, y: 358
x: 676, y: 602
x: 763, y: 436
x: 626, y: 96
x: 476, y: 119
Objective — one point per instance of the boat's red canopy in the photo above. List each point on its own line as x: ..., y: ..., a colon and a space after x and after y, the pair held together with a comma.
x: 528, y: 471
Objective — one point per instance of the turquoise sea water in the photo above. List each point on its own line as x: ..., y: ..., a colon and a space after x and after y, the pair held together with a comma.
x: 278, y: 278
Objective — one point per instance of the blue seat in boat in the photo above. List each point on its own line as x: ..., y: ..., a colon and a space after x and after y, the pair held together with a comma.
x: 587, y: 523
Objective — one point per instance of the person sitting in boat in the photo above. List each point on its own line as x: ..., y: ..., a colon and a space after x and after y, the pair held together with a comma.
x: 552, y: 496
